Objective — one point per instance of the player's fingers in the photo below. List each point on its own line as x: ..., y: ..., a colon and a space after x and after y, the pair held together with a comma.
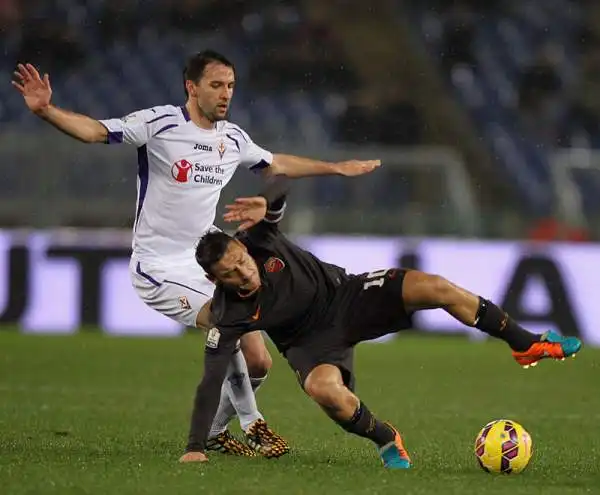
x: 33, y: 72
x: 23, y: 73
x: 238, y: 216
x: 246, y: 225
x: 235, y: 211
x: 18, y: 86
x: 47, y: 80
x: 245, y: 201
x: 231, y: 209
x: 18, y: 75
x: 367, y: 167
x: 231, y: 217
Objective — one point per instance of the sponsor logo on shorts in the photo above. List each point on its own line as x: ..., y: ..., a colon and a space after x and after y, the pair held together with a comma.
x: 274, y: 265
x: 185, y: 304
x: 212, y: 340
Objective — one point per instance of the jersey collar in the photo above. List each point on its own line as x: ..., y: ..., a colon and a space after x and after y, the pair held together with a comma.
x: 186, y: 114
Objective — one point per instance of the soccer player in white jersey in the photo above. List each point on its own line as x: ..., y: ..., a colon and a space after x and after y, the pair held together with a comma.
x: 186, y: 155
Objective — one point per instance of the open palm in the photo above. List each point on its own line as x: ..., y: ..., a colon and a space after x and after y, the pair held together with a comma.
x: 35, y: 90
x: 249, y: 211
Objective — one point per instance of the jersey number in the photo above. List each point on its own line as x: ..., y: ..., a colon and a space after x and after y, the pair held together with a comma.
x: 375, y: 279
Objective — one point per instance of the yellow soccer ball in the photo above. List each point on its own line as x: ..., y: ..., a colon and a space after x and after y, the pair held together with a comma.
x: 503, y: 446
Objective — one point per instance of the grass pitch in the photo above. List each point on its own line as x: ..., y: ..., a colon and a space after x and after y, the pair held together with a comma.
x: 90, y: 414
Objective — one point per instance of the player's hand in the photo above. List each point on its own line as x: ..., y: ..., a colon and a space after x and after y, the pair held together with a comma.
x: 352, y: 168
x: 249, y: 211
x: 36, y: 91
x: 193, y: 457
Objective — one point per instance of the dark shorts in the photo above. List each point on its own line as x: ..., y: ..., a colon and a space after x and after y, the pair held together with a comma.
x: 366, y: 307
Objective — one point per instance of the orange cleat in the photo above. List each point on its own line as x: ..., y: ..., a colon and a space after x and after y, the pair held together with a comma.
x: 551, y: 345
x: 394, y: 455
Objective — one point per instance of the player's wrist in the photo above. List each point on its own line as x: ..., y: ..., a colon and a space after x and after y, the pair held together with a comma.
x: 337, y: 167
x: 276, y: 188
x: 43, y: 112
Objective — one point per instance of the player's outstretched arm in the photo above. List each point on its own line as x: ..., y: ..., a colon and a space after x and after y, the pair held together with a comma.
x: 37, y: 94
x: 296, y: 166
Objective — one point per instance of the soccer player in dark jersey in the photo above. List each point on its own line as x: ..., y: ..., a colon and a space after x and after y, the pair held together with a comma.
x: 315, y: 313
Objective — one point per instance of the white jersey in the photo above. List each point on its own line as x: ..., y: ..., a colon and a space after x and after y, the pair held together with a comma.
x: 182, y: 169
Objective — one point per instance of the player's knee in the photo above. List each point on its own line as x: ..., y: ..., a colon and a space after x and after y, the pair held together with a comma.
x: 323, y: 390
x: 261, y: 366
x: 258, y: 360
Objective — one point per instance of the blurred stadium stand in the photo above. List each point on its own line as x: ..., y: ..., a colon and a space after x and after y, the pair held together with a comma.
x: 525, y: 71
x: 324, y: 77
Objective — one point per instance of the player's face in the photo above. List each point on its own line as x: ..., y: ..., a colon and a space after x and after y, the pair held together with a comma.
x: 214, y: 91
x: 237, y: 269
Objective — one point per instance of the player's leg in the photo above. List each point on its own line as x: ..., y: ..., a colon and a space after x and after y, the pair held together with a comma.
x: 325, y: 385
x: 183, y: 296
x: 226, y: 411
x: 425, y: 291
x: 259, y: 436
x: 258, y: 358
x: 237, y: 395
x: 259, y: 362
x: 324, y: 366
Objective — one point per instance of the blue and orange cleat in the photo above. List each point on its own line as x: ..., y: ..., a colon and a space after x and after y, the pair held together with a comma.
x: 551, y: 345
x: 394, y: 455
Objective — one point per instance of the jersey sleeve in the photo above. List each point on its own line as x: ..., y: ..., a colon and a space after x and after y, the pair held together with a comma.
x: 252, y: 156
x: 139, y: 127
x: 220, y: 345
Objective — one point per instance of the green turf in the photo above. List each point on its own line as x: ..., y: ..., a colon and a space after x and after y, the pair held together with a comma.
x: 92, y: 414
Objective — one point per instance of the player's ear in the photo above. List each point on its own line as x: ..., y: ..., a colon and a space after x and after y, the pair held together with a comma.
x: 191, y: 88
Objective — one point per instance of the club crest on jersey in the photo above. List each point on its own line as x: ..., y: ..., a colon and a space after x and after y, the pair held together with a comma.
x: 185, y: 304
x: 221, y: 149
x: 274, y: 265
x: 181, y: 171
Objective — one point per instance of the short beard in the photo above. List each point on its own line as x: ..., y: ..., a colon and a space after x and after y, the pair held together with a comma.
x: 211, y: 117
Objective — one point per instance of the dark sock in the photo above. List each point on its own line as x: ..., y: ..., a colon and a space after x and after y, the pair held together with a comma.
x: 365, y: 425
x: 495, y: 322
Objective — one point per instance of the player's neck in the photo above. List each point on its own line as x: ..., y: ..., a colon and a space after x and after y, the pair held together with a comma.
x: 198, y: 118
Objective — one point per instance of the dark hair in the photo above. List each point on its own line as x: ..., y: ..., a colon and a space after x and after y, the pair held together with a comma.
x: 211, y: 248
x: 195, y: 65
